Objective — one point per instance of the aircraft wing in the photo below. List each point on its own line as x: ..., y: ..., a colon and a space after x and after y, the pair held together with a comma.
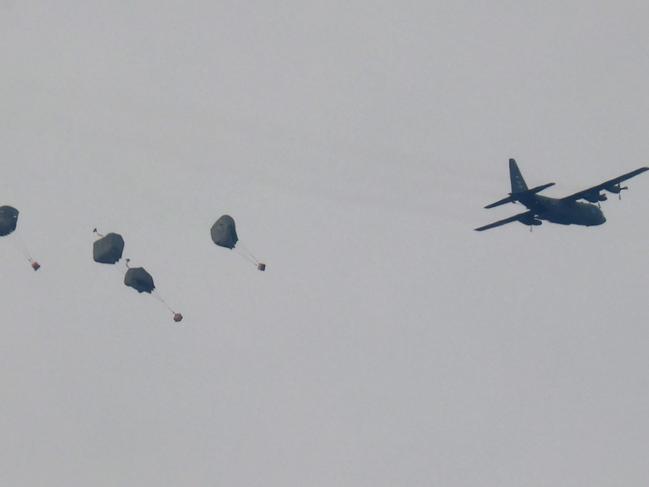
x: 612, y: 185
x: 528, y: 215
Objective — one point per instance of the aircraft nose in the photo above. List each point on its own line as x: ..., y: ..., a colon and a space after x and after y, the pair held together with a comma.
x: 601, y: 219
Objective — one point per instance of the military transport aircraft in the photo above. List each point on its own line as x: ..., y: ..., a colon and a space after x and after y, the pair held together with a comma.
x: 566, y: 211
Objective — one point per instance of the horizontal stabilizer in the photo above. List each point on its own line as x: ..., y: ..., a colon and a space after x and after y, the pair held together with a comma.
x: 514, y: 197
x: 504, y: 201
x: 538, y: 189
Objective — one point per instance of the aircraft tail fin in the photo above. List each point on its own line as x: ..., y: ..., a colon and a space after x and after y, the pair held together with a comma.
x: 520, y: 191
x: 518, y: 183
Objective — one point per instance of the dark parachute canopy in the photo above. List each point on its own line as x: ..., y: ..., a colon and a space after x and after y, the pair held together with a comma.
x: 224, y: 232
x: 139, y: 279
x: 8, y: 220
x: 108, y: 249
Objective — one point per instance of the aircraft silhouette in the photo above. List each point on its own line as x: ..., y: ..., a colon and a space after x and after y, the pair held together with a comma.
x: 565, y: 211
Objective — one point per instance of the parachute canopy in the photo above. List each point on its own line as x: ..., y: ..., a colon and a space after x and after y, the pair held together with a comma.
x: 8, y: 220
x: 139, y: 279
x: 224, y: 233
x: 108, y: 249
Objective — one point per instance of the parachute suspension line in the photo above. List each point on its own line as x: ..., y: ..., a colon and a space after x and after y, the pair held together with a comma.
x: 177, y: 316
x: 156, y: 295
x: 245, y: 256
x: 23, y: 246
x: 249, y: 256
x: 94, y: 230
x: 245, y: 249
x: 19, y: 243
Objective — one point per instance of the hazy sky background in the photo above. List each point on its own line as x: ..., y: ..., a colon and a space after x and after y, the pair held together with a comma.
x: 355, y: 143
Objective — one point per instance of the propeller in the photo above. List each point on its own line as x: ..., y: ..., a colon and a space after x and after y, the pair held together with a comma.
x: 616, y: 188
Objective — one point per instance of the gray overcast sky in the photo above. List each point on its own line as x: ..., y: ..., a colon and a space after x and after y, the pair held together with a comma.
x: 355, y: 142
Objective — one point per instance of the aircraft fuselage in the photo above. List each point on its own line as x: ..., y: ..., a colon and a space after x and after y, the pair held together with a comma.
x: 564, y: 212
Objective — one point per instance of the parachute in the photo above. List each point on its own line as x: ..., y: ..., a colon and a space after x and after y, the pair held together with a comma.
x: 8, y: 220
x: 108, y: 249
x: 224, y: 234
x: 8, y: 224
x: 140, y: 280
